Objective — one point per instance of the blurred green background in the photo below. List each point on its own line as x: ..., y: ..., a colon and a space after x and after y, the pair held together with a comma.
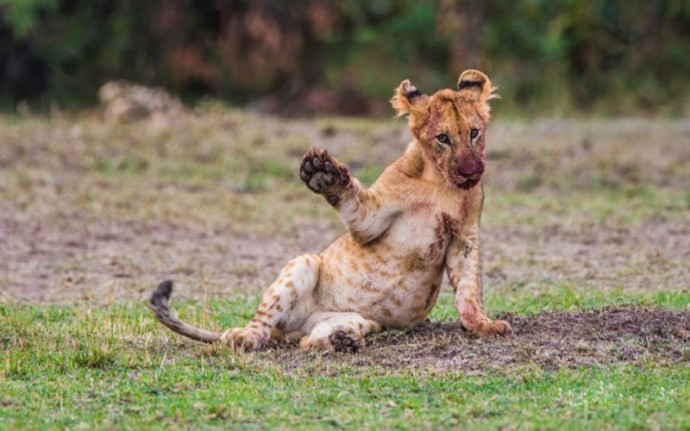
x: 582, y: 57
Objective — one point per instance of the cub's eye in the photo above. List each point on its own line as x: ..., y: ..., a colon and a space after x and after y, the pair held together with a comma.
x: 474, y: 133
x: 443, y: 138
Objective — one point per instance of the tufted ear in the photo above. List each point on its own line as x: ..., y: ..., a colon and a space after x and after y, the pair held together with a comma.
x: 408, y: 99
x: 475, y: 86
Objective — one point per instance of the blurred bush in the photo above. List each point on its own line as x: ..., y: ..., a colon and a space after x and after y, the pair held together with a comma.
x: 604, y: 56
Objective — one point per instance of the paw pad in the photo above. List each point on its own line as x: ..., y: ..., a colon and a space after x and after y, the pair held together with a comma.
x: 346, y: 342
x: 320, y: 171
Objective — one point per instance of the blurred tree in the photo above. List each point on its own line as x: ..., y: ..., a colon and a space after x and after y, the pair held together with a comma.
x: 305, y: 56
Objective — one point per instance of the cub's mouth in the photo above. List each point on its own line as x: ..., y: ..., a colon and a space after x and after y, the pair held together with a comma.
x: 469, y: 183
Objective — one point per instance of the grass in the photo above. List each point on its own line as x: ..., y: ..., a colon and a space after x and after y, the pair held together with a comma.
x: 113, y: 367
x: 579, y: 215
x: 549, y: 296
x: 191, y: 395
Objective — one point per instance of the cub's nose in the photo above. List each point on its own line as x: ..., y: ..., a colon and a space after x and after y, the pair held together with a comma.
x: 470, y: 168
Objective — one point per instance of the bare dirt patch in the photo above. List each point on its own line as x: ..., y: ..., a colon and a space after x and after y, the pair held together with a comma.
x: 633, y: 335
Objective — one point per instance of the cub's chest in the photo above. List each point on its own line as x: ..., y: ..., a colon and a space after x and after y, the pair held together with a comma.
x: 425, y: 234
x: 443, y: 209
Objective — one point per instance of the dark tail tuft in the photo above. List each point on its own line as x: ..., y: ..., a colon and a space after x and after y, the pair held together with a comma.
x: 161, y: 295
x: 159, y: 305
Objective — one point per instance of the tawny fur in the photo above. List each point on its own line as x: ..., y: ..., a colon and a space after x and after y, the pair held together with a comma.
x: 419, y: 220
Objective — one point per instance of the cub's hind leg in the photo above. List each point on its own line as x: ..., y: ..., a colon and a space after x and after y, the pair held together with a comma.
x: 285, y: 305
x: 337, y: 331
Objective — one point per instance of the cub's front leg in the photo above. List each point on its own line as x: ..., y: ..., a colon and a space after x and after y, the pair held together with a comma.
x: 365, y: 213
x: 464, y: 267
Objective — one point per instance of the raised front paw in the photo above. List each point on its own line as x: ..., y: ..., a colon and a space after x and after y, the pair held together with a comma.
x: 323, y: 174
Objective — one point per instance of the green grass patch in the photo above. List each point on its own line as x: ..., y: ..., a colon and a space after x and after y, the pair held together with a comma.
x: 115, y: 367
x: 90, y: 388
x: 215, y: 398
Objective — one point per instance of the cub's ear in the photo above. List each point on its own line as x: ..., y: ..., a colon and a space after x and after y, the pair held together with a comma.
x: 474, y: 86
x: 408, y: 99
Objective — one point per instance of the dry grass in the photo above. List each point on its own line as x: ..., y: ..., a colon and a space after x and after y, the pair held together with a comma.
x: 102, y: 212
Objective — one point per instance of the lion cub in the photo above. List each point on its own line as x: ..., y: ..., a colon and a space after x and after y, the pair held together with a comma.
x: 419, y: 220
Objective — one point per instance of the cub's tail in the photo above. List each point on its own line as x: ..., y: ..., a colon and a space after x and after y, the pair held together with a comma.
x: 159, y: 305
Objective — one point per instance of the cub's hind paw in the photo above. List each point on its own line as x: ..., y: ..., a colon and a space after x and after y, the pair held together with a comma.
x: 343, y: 341
x: 339, y: 341
x: 243, y: 338
x: 321, y: 172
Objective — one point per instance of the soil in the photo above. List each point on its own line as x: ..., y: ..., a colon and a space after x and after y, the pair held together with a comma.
x: 551, y: 340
